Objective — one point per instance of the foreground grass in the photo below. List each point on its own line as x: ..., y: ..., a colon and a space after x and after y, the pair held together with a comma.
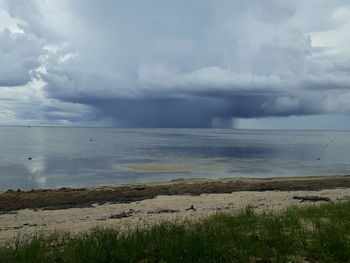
x: 312, y: 234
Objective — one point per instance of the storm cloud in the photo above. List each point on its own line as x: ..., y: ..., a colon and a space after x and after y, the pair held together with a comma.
x: 179, y: 64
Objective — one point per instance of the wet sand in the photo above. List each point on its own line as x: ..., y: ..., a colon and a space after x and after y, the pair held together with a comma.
x: 143, y: 204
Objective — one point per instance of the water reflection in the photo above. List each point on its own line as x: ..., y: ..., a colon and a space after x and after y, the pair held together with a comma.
x: 66, y: 157
x: 37, y: 167
x: 49, y: 173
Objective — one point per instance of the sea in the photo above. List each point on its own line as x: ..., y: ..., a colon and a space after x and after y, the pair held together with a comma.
x: 53, y: 157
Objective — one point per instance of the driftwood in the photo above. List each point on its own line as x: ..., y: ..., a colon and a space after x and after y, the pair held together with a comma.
x: 163, y: 211
x: 311, y: 198
x: 191, y: 208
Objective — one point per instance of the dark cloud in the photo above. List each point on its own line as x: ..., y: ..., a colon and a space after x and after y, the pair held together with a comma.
x: 187, y: 63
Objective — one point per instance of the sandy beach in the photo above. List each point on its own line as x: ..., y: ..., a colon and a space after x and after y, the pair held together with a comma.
x: 134, y: 205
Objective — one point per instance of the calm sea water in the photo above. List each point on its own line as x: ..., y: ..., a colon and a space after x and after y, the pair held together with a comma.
x: 68, y: 157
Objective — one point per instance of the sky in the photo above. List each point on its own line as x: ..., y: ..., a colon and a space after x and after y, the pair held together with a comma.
x: 186, y: 63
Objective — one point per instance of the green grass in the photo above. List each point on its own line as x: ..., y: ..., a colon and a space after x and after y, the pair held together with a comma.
x: 316, y: 233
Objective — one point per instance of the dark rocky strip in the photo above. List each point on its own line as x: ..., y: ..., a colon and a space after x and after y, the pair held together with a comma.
x: 67, y: 197
x: 311, y: 198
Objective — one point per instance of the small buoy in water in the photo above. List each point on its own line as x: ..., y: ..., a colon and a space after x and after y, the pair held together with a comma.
x: 30, y: 158
x: 90, y: 139
x: 318, y: 158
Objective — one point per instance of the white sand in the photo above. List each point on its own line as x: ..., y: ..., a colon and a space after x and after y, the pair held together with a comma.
x: 81, y: 219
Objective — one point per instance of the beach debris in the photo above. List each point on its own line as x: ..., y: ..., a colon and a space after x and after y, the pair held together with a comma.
x: 191, y: 208
x: 121, y: 215
x: 30, y: 225
x: 163, y: 211
x: 311, y: 198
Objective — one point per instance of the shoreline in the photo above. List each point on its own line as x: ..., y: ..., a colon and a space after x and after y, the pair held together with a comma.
x: 80, y: 197
x: 146, y: 204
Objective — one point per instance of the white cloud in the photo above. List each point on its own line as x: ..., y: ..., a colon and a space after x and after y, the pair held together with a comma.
x: 19, y: 56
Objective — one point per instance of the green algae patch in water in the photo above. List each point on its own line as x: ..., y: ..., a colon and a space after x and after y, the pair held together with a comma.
x: 143, y: 167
